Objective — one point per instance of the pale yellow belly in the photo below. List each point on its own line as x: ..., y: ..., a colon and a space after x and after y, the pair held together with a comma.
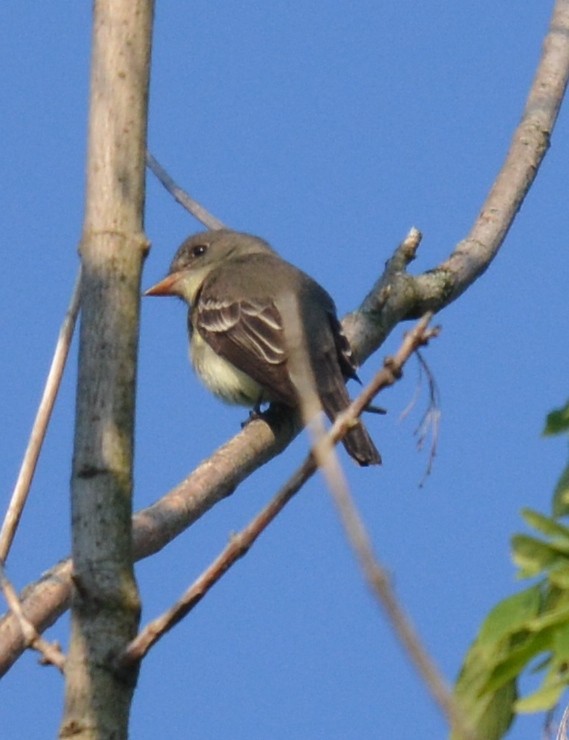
x: 222, y: 378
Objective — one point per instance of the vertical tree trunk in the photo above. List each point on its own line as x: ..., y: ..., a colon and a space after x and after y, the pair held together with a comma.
x: 105, y: 608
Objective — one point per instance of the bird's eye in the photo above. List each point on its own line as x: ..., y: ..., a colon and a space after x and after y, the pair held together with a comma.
x: 198, y: 250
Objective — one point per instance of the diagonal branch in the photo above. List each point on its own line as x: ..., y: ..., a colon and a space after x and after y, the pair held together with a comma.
x: 241, y: 542
x: 41, y: 422
x: 409, y: 297
x: 51, y: 653
x: 379, y: 583
x: 192, y: 206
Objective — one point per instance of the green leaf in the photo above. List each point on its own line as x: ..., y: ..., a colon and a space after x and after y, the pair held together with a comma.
x: 561, y: 495
x: 556, y: 679
x: 557, y: 421
x: 529, y: 629
x: 545, y: 524
x: 550, y: 618
x: 518, y: 658
x: 510, y: 615
x: 559, y: 576
x: 492, y: 646
x: 561, y: 645
x: 489, y: 716
x: 545, y: 698
x: 554, y: 598
x: 533, y: 556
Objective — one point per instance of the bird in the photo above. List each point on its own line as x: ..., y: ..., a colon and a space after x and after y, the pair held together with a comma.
x: 242, y: 339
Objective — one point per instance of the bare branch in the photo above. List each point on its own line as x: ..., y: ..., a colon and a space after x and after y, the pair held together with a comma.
x: 42, y: 604
x: 563, y: 729
x: 51, y: 652
x: 238, y: 546
x: 327, y: 461
x: 528, y: 148
x: 378, y: 581
x: 105, y: 605
x: 41, y: 422
x: 55, y: 374
x: 180, y: 195
x: 408, y: 296
x: 240, y: 543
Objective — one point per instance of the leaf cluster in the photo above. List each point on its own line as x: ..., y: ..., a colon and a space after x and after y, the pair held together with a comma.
x: 528, y: 631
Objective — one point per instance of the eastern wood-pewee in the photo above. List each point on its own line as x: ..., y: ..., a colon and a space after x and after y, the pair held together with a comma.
x: 241, y: 342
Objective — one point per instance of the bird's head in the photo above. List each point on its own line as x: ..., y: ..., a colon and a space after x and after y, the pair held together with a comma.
x: 202, y: 253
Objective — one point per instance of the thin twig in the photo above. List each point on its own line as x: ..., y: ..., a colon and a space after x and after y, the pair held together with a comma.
x: 431, y: 419
x: 39, y: 429
x: 380, y: 586
x: 328, y: 462
x: 241, y: 542
x: 51, y: 652
x: 180, y: 195
x: 563, y: 726
x: 237, y: 547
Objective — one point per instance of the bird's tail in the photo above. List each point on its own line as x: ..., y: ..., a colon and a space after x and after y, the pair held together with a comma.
x: 360, y: 446
x: 357, y: 441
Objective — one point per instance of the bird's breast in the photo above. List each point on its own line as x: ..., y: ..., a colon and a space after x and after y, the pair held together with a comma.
x: 222, y: 377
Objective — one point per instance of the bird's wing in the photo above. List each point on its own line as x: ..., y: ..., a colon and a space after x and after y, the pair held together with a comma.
x: 250, y: 335
x: 343, y: 348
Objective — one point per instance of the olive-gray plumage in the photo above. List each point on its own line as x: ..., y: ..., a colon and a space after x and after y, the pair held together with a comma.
x: 240, y: 293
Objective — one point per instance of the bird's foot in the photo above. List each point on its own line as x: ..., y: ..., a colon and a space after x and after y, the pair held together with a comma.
x: 255, y: 413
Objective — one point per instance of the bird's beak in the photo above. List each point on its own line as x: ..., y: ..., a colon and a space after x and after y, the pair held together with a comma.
x: 167, y: 286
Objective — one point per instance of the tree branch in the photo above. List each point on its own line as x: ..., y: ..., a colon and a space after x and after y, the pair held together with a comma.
x: 410, y: 297
x: 180, y: 196
x: 379, y: 583
x: 41, y: 422
x: 105, y: 602
x: 241, y: 542
x: 51, y: 653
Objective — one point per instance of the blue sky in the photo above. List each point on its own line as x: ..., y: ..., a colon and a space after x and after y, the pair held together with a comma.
x: 329, y: 129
